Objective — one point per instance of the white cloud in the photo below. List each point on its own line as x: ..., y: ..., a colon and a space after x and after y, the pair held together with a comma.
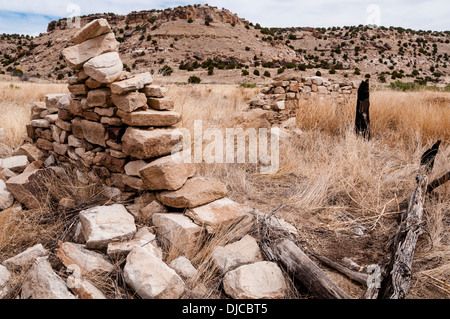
x: 415, y: 14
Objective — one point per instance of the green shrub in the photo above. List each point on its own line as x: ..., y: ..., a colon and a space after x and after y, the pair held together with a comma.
x: 267, y: 74
x: 60, y: 76
x: 367, y: 76
x: 318, y: 73
x: 190, y: 20
x: 231, y: 66
x: 403, y: 86
x: 165, y: 70
x: 256, y: 72
x: 245, y: 72
x: 17, y: 72
x: 194, y: 79
x: 290, y: 65
x: 248, y: 85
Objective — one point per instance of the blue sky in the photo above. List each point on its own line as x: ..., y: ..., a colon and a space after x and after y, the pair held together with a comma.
x: 32, y: 17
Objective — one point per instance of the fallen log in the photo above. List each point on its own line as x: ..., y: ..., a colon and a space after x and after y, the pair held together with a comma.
x: 438, y: 182
x: 353, y: 275
x: 307, y: 272
x: 396, y: 273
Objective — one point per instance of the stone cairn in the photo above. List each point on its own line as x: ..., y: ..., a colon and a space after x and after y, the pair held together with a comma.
x: 291, y: 87
x: 120, y: 127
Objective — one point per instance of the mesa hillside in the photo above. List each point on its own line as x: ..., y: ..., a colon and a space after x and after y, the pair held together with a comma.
x: 100, y: 197
x: 220, y: 47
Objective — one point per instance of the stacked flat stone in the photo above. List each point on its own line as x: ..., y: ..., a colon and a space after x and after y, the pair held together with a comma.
x: 110, y: 118
x: 121, y: 128
x: 289, y: 87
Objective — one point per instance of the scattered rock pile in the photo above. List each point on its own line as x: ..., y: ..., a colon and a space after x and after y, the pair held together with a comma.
x: 290, y: 87
x: 120, y: 127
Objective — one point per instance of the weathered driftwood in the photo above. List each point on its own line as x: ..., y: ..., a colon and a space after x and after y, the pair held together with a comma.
x: 396, y: 272
x: 307, y: 272
x: 427, y: 159
x: 353, y: 275
x: 438, y: 182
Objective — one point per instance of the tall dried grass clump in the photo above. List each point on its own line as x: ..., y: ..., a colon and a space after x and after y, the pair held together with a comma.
x: 331, y: 179
x: 15, y: 101
x: 396, y: 118
x: 22, y: 228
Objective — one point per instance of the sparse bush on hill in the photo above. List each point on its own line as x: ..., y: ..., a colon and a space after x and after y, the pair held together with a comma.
x: 248, y: 85
x: 290, y: 65
x: 194, y: 79
x: 256, y: 72
x: 17, y: 72
x: 166, y: 70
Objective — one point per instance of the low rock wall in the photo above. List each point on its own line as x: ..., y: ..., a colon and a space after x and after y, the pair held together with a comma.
x: 290, y: 87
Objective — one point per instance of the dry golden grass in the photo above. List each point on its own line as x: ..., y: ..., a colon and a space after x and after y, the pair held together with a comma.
x: 210, y: 103
x: 330, y: 180
x: 15, y: 101
x: 49, y: 223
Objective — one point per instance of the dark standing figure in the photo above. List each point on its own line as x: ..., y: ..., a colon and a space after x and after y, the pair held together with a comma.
x: 428, y: 157
x: 362, y: 121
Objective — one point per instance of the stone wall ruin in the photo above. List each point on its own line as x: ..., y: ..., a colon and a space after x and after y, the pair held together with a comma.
x: 120, y: 128
x: 290, y: 87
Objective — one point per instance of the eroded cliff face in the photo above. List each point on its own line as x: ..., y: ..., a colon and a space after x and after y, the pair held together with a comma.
x: 211, y: 14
